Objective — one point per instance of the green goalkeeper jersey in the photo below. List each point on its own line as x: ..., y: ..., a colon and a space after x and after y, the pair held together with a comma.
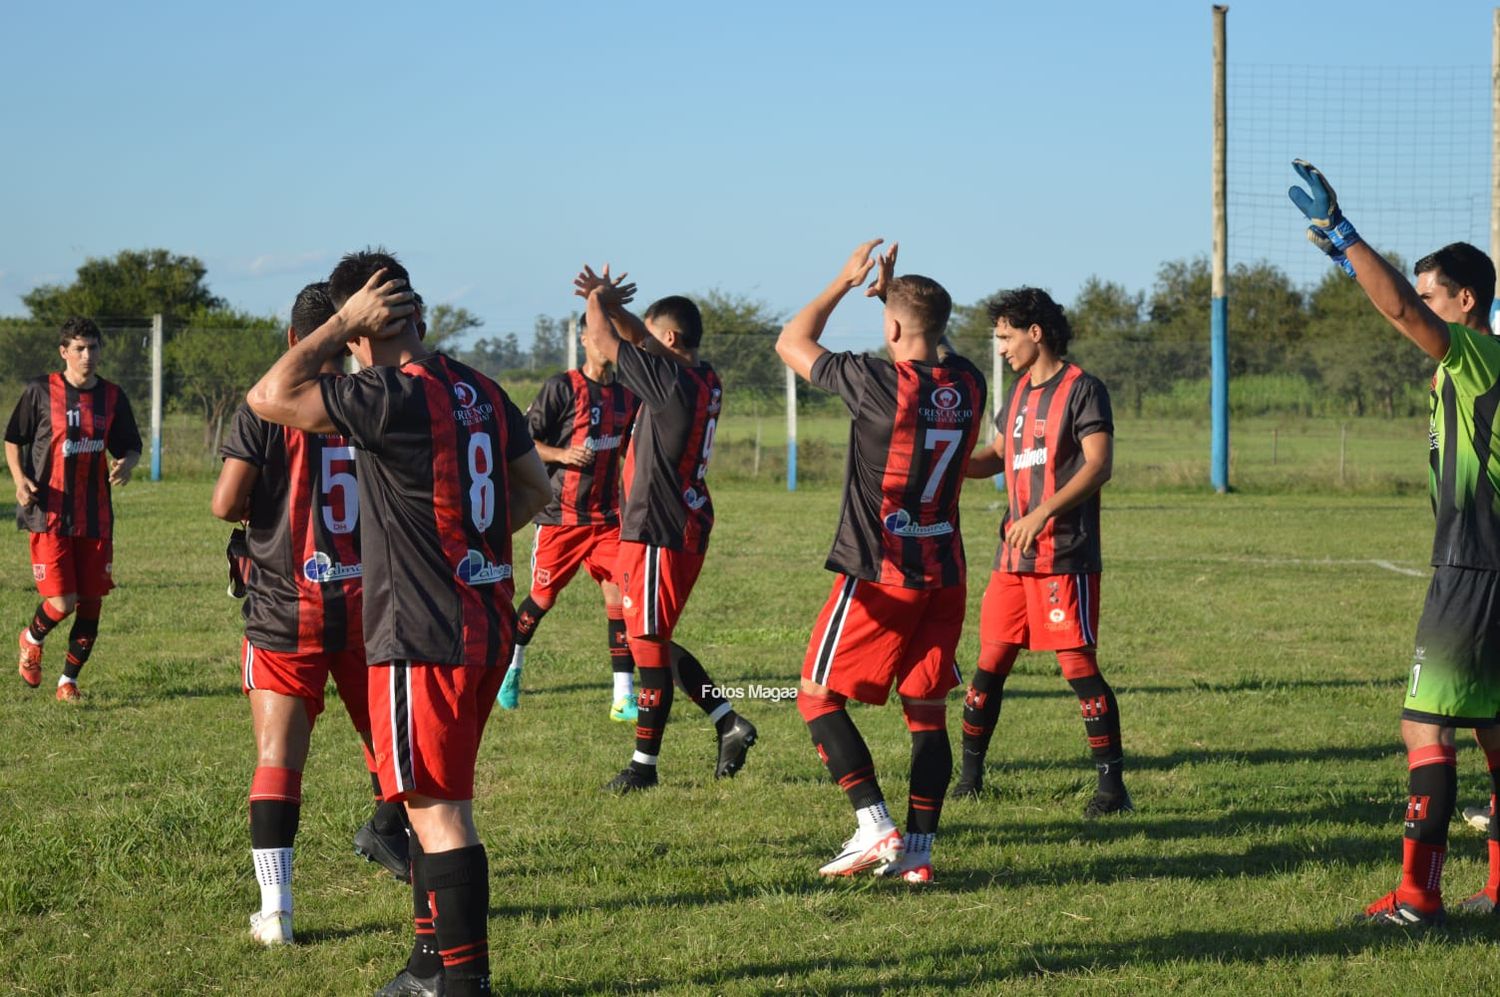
x: 1465, y: 467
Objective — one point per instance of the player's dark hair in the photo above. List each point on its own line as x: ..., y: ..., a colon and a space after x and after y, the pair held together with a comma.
x: 312, y: 308
x: 682, y: 313
x: 1459, y: 265
x: 78, y: 327
x: 1025, y: 307
x: 924, y: 301
x: 356, y: 268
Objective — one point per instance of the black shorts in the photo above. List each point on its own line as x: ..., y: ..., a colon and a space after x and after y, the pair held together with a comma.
x: 1455, y: 671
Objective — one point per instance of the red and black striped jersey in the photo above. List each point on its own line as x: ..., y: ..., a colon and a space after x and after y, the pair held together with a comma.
x: 63, y: 433
x: 666, y: 500
x: 914, y: 427
x: 573, y: 410
x: 1043, y: 428
x: 303, y: 586
x: 435, y: 439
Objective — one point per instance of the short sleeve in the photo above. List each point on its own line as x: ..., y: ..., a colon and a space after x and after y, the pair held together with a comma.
x: 124, y: 435
x: 653, y: 378
x: 517, y: 440
x: 246, y: 439
x: 21, y: 430
x: 1472, y: 361
x: 545, y: 409
x: 844, y: 374
x: 359, y: 405
x: 1091, y: 410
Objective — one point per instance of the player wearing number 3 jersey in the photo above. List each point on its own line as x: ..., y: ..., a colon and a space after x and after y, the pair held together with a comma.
x: 667, y: 512
x: 897, y: 607
x: 297, y: 494
x: 447, y: 472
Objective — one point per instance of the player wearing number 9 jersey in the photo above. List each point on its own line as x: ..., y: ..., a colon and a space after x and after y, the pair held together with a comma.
x: 667, y: 513
x: 297, y: 495
x: 897, y: 606
x: 447, y: 473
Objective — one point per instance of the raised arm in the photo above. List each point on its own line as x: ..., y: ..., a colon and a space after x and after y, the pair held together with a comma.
x: 288, y: 393
x: 1388, y: 290
x: 798, y: 344
x: 608, y: 321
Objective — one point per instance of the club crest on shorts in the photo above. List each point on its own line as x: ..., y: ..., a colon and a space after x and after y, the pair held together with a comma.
x: 39, y: 572
x: 544, y: 576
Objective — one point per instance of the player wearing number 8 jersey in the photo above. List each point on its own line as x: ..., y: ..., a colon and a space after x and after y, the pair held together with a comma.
x: 1055, y: 445
x: 897, y: 607
x: 667, y: 512
x: 447, y: 473
x: 297, y: 494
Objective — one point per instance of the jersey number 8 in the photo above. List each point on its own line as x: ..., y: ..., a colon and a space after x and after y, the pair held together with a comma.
x: 482, y: 489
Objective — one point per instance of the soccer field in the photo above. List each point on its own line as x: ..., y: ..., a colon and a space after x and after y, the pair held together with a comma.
x: 1259, y: 647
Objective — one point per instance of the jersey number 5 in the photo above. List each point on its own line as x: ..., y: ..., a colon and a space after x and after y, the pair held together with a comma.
x: 342, y: 514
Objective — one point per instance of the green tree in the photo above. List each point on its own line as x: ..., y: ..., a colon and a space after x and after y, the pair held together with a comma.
x: 134, y: 284
x: 446, y: 323
x: 549, y: 343
x: 495, y: 355
x: 1113, y: 341
x: 1266, y: 318
x: 1358, y: 355
x: 216, y: 357
x: 739, y: 339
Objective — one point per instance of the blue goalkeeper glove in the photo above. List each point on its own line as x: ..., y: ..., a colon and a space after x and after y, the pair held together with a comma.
x: 1321, y: 207
x: 1318, y: 237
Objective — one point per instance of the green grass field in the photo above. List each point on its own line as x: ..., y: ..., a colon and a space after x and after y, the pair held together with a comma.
x: 1258, y: 643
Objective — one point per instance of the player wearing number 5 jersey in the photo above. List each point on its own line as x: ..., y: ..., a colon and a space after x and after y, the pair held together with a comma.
x: 447, y: 472
x: 897, y: 607
x: 298, y: 495
x: 1055, y: 444
x: 667, y: 513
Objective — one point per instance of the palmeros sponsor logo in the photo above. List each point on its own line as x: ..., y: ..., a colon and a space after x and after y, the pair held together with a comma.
x: 901, y: 524
x: 476, y: 569
x: 322, y: 568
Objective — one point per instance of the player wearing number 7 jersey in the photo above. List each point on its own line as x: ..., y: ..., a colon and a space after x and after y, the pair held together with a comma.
x: 897, y: 607
x: 667, y: 512
x: 447, y: 473
x: 298, y: 495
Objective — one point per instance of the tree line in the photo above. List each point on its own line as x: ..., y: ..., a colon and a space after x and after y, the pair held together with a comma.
x: 1294, y: 350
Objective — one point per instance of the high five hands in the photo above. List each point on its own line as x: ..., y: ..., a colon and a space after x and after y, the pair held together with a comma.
x: 613, y: 290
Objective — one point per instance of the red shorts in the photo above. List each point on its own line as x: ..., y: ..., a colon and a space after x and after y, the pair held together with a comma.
x: 1040, y: 612
x: 656, y: 582
x: 426, y: 722
x: 870, y: 635
x: 557, y: 553
x: 72, y: 565
x: 305, y: 674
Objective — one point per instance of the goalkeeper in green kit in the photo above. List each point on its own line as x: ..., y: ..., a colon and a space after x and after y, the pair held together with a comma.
x: 1455, y: 671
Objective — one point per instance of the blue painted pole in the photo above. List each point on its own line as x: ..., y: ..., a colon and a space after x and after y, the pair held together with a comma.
x: 791, y: 430
x: 1219, y: 394
x: 156, y: 396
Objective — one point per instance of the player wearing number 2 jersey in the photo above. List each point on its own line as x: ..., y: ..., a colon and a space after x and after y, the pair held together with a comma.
x: 446, y: 473
x: 897, y: 606
x: 1055, y: 444
x: 667, y: 513
x: 297, y: 494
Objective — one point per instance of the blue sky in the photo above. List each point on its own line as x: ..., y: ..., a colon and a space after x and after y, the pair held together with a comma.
x: 746, y: 147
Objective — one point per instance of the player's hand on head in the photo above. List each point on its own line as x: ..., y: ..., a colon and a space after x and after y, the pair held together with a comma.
x: 859, y: 264
x: 885, y: 272
x: 379, y: 310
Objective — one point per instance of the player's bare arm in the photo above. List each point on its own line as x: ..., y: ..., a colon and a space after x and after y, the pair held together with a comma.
x: 1388, y: 290
x: 610, y: 321
x: 288, y: 394
x: 567, y: 456
x: 1098, y: 465
x: 121, y: 468
x: 25, y: 487
x: 530, y: 491
x: 987, y: 461
x: 231, y: 501
x: 798, y: 344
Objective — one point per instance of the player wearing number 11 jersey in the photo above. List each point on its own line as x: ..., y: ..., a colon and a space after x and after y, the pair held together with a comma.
x: 667, y: 513
x: 447, y: 473
x: 897, y: 606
